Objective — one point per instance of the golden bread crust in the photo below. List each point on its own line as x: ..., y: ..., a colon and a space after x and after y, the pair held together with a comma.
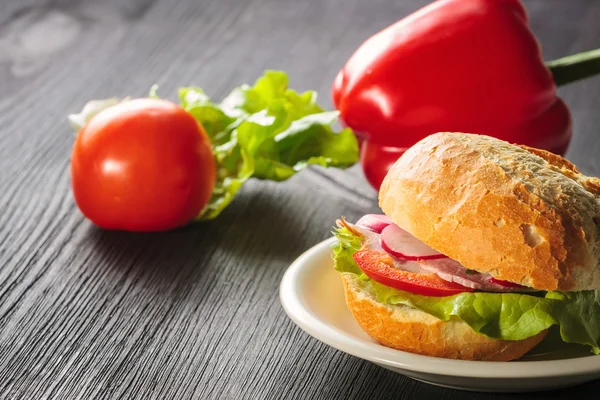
x: 521, y: 214
x: 408, y: 329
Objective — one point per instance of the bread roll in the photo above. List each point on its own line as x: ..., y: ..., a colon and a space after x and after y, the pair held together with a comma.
x: 523, y: 215
x: 408, y: 329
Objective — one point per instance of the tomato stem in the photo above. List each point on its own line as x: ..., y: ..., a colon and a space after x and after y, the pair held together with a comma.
x: 575, y: 67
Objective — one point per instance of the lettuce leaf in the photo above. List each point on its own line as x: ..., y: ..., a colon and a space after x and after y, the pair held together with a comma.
x: 90, y: 109
x: 508, y: 316
x: 344, y: 249
x: 264, y: 131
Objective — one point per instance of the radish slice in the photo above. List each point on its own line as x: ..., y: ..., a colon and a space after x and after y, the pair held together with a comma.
x: 374, y: 222
x: 506, y: 283
x: 399, y: 243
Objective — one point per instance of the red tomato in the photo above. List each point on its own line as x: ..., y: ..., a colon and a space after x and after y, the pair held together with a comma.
x: 142, y: 165
x: 378, y: 266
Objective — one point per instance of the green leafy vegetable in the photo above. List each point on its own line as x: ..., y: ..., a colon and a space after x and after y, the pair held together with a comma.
x: 508, y: 316
x: 264, y: 131
x: 90, y: 109
x: 343, y: 250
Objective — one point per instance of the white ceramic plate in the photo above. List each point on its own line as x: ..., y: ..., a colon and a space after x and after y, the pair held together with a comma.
x: 312, y: 295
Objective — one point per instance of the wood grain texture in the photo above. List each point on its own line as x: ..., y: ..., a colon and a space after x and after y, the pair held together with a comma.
x: 193, y: 313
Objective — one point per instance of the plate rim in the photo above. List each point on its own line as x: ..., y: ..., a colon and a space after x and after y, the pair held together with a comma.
x: 379, y: 354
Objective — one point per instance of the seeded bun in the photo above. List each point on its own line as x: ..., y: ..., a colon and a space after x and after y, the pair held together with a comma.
x: 408, y: 329
x: 521, y: 214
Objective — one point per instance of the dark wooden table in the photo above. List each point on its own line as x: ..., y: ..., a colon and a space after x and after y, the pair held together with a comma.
x: 192, y: 313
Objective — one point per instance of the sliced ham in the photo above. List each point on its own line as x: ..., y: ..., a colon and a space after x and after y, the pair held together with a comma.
x: 372, y: 239
x: 452, y: 271
x: 446, y: 268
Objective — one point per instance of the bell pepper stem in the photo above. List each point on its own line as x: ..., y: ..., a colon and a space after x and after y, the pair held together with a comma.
x: 575, y: 67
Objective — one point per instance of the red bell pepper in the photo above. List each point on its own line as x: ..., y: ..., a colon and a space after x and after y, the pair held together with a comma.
x: 455, y: 65
x: 379, y: 267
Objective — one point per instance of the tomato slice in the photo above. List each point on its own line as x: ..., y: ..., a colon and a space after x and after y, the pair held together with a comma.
x: 379, y: 267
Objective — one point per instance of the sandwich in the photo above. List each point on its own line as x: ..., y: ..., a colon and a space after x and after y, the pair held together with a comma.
x: 483, y: 247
